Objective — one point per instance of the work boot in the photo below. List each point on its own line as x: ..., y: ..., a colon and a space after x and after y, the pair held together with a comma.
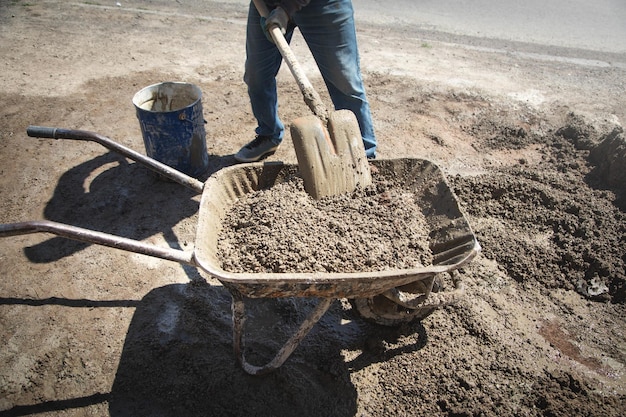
x: 259, y: 148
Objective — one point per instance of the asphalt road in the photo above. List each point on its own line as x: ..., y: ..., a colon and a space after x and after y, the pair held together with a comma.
x: 597, y: 25
x: 545, y: 26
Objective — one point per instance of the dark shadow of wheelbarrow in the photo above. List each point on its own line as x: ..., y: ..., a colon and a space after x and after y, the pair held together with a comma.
x: 110, y: 194
x: 178, y: 360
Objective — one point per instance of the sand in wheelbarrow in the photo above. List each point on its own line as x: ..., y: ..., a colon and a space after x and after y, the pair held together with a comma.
x: 283, y: 229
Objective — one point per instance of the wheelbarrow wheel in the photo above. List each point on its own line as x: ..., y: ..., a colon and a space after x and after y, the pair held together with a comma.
x: 382, y: 310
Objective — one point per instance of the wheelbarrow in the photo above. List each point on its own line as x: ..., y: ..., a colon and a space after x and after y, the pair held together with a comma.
x: 388, y: 297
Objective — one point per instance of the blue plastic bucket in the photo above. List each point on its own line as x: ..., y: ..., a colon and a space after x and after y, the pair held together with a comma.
x: 172, y: 125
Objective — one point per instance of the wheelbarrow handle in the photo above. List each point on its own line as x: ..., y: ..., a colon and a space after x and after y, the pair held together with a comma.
x: 42, y: 132
x: 154, y: 165
x: 91, y: 236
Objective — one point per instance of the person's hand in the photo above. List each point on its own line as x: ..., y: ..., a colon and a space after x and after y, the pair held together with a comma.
x: 277, y: 17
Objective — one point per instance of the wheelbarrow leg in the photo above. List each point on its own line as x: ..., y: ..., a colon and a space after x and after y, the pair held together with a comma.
x: 286, y: 350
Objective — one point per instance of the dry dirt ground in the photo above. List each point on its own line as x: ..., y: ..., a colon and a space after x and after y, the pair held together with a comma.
x: 530, y: 141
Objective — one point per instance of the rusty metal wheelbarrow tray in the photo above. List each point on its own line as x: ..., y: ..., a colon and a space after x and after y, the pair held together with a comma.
x: 451, y: 240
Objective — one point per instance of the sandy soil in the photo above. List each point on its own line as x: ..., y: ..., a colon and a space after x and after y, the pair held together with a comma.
x: 283, y: 229
x: 530, y: 141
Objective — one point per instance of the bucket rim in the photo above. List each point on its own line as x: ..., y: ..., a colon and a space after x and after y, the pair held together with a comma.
x: 139, y: 98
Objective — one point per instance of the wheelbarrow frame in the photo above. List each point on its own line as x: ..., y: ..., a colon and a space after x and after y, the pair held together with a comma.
x: 451, y: 240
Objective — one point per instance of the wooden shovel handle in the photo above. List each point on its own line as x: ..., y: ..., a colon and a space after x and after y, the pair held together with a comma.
x: 311, y: 98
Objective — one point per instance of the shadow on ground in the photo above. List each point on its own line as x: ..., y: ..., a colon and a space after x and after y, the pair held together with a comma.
x: 178, y: 360
x: 110, y: 194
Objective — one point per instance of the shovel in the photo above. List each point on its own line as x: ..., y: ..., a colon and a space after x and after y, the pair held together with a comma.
x: 329, y: 148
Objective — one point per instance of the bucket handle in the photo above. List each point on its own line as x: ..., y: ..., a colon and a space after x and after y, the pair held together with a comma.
x: 183, y: 118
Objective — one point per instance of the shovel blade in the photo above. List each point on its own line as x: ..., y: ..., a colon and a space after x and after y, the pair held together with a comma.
x: 346, y: 136
x: 332, y: 160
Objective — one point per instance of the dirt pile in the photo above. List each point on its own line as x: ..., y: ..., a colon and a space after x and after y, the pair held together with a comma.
x: 283, y: 229
x: 569, y: 203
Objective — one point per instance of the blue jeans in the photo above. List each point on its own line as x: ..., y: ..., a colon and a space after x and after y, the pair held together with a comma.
x: 328, y: 28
